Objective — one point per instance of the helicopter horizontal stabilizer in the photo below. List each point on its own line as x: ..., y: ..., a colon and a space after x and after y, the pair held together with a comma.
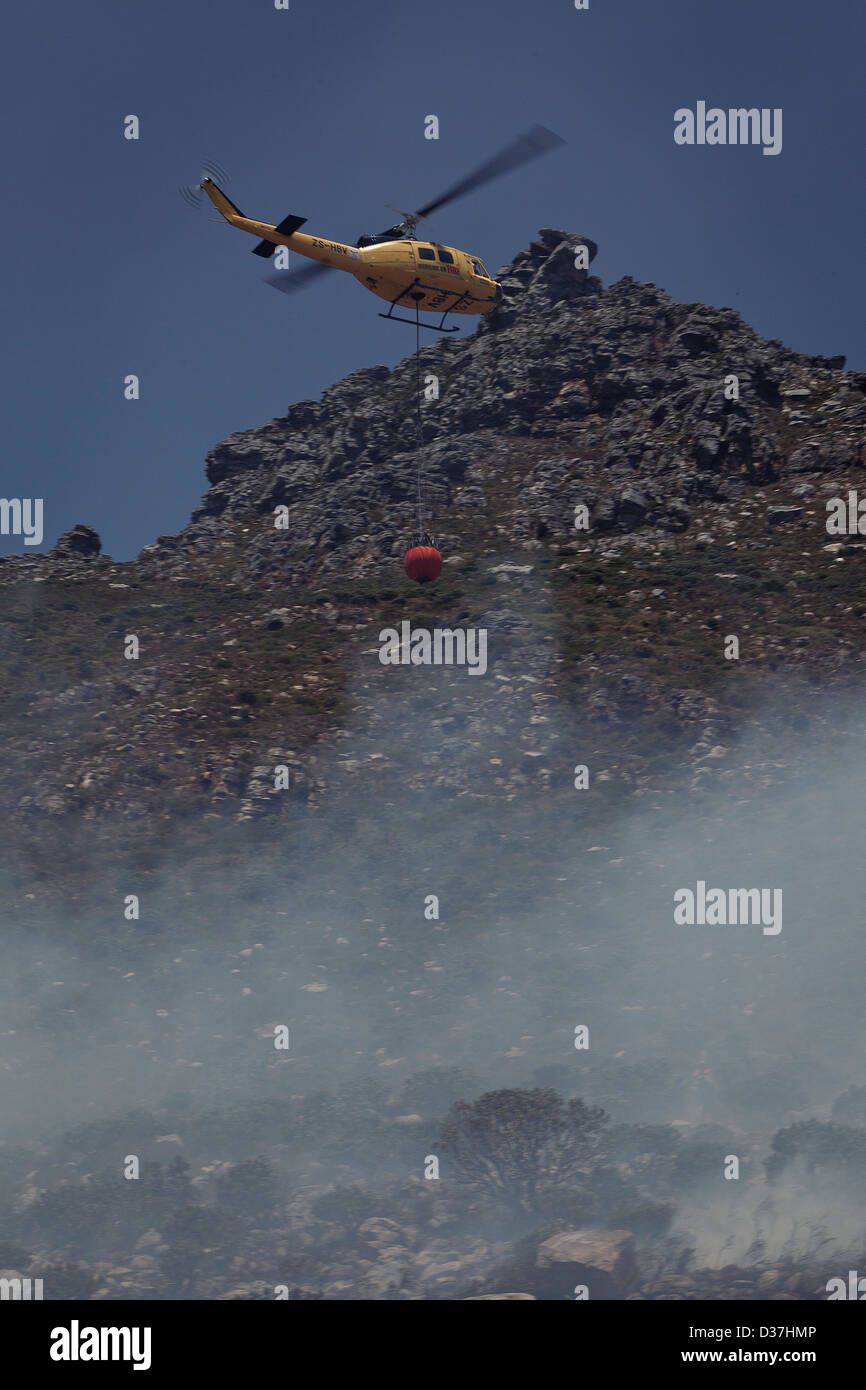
x: 286, y: 227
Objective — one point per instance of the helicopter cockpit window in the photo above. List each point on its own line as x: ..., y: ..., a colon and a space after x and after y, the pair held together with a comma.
x: 426, y: 254
x: 479, y: 269
x: 446, y: 257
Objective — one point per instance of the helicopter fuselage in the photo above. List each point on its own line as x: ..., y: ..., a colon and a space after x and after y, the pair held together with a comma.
x: 405, y: 271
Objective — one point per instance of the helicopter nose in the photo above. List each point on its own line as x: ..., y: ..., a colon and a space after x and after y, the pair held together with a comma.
x: 498, y: 292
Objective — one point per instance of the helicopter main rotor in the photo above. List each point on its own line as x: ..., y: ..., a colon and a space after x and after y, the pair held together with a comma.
x: 532, y: 143
x: 535, y: 141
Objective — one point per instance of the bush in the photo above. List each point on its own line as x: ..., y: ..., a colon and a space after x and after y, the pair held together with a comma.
x: 511, y: 1142
x: 249, y: 1188
x: 832, y: 1149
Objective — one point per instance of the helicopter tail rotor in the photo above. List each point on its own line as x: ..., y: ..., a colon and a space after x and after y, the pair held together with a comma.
x: 191, y: 192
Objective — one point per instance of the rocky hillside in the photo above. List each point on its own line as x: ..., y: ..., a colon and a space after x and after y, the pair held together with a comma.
x: 706, y: 517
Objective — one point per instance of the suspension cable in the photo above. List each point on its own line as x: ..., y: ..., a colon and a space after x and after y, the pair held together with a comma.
x: 420, y: 418
x: 419, y: 413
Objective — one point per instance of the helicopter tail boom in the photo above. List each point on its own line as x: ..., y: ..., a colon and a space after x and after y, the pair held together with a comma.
x: 275, y: 236
x: 284, y: 234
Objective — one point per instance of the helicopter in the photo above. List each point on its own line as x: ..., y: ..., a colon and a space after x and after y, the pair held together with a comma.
x: 396, y: 264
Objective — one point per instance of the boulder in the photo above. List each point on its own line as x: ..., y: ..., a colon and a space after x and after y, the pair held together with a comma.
x: 634, y: 504
x: 602, y: 1260
x: 603, y: 515
x: 778, y: 516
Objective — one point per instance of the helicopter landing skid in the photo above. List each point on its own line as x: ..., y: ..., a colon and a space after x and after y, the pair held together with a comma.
x: 436, y: 289
x: 434, y: 327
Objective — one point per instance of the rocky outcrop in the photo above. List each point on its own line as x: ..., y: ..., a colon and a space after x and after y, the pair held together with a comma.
x: 568, y: 393
x: 602, y: 1262
x: 82, y: 541
x: 642, y: 405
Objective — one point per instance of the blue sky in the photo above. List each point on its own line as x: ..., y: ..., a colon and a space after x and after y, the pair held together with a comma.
x: 319, y: 111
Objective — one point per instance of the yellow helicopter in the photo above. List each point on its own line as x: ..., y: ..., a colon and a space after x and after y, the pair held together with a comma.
x: 395, y: 264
